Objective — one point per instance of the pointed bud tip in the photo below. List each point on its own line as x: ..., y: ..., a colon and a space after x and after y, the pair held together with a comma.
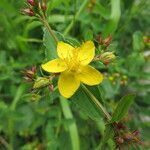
x: 44, y: 7
x: 31, y: 2
x: 27, y: 11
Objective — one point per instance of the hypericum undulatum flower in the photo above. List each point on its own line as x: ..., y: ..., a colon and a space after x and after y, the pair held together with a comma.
x: 73, y: 67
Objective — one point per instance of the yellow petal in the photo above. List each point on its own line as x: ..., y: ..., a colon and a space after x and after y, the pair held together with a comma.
x: 86, y: 53
x: 68, y: 84
x: 90, y: 75
x: 54, y: 66
x: 64, y: 50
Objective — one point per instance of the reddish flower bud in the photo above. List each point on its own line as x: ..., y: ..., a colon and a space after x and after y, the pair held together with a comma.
x: 33, y: 69
x: 28, y: 11
x: 120, y: 126
x: 51, y: 87
x: 107, y: 41
x: 44, y: 7
x: 29, y: 74
x: 120, y: 140
x: 31, y: 2
x: 136, y: 133
x: 128, y: 137
x: 99, y: 39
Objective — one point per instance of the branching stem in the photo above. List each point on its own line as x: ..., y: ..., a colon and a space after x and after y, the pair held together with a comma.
x: 43, y: 19
x: 97, y: 103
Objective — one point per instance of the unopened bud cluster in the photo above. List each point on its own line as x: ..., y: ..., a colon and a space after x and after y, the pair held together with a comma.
x: 31, y: 75
x: 105, y: 42
x: 34, y: 7
x: 124, y: 137
x: 106, y: 57
x: 31, y: 2
x: 115, y: 77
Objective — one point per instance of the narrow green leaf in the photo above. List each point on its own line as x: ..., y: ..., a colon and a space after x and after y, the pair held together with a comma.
x: 31, y: 26
x: 3, y: 59
x: 50, y: 45
x: 20, y: 91
x: 72, y: 126
x: 107, y: 135
x: 122, y: 107
x: 114, y: 18
x: 104, y: 12
x: 84, y: 103
x: 108, y: 132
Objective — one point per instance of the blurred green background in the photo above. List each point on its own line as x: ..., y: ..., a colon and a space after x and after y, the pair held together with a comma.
x: 29, y: 121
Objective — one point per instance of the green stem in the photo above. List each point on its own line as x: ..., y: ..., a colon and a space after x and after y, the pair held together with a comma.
x: 43, y: 19
x: 4, y: 142
x: 17, y: 97
x: 97, y: 103
x: 10, y: 120
x: 76, y: 16
x: 58, y: 128
x: 72, y: 127
x: 50, y: 30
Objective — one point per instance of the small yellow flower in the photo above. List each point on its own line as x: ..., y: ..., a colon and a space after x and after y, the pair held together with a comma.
x: 73, y: 67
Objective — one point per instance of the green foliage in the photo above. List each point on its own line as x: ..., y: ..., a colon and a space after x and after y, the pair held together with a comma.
x: 122, y: 108
x: 50, y: 45
x: 138, y: 43
x: 83, y: 102
x: 114, y: 18
x: 41, y: 119
x: 72, y: 127
x: 109, y: 133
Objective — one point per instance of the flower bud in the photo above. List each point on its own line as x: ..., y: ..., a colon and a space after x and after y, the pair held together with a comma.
x: 135, y: 133
x: 146, y: 39
x: 99, y: 39
x: 120, y: 126
x: 30, y: 74
x: 120, y: 140
x: 51, y: 87
x: 28, y: 11
x: 41, y: 82
x: 33, y: 69
x: 107, y: 41
x: 107, y: 57
x: 31, y: 2
x: 43, y: 6
x: 128, y: 137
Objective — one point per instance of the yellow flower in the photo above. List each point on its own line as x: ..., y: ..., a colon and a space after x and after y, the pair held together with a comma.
x: 73, y: 67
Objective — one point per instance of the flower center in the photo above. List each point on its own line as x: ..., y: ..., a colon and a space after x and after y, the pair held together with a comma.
x: 72, y: 62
